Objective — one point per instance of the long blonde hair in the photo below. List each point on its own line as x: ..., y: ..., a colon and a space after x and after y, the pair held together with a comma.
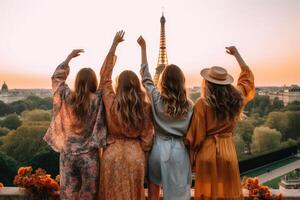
x: 130, y: 101
x: 173, y: 92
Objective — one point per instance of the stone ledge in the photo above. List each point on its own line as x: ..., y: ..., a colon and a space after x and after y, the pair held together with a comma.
x: 15, y: 193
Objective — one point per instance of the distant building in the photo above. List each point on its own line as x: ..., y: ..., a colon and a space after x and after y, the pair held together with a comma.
x: 286, y: 94
x: 290, y: 184
x: 4, y: 88
x: 11, y: 95
x: 162, y: 56
x: 291, y: 180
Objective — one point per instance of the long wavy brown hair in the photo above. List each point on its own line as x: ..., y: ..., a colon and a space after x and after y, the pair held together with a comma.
x: 173, y: 92
x: 85, y: 84
x: 130, y: 101
x: 225, y: 100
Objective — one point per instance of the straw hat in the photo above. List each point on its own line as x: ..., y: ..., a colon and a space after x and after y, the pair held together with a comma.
x: 217, y: 75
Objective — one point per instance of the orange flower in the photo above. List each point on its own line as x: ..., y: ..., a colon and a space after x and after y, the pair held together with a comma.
x: 264, y: 188
x: 256, y: 181
x: 255, y: 198
x: 38, y: 184
x: 1, y: 185
x: 250, y: 193
x: 24, y: 170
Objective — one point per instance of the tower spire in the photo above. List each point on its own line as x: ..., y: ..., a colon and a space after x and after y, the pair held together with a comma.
x: 162, y: 57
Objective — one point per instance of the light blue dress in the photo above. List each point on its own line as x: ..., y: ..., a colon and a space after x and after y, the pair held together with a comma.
x: 168, y: 163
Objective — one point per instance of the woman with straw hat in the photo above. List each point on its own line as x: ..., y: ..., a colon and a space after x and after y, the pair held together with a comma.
x: 212, y: 151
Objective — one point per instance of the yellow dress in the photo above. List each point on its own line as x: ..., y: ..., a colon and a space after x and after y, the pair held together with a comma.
x: 216, y: 164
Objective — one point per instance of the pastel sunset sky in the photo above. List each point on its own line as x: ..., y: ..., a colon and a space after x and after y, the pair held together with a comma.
x: 36, y: 35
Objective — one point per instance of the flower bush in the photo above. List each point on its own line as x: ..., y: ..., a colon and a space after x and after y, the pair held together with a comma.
x: 256, y: 191
x: 40, y: 185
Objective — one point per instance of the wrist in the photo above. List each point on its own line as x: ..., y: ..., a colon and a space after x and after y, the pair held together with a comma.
x: 67, y: 60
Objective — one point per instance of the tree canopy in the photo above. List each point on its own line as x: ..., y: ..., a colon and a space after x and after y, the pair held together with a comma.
x: 11, y: 121
x: 265, y: 138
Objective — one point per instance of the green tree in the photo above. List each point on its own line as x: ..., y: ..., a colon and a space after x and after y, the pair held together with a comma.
x: 256, y: 120
x: 289, y: 142
x: 35, y: 102
x: 11, y: 121
x: 260, y: 104
x: 48, y: 160
x: 278, y: 121
x: 5, y: 109
x: 293, y: 106
x: 31, y: 103
x: 46, y: 103
x: 22, y: 144
x: 8, y: 169
x: 244, y: 129
x: 36, y: 115
x: 293, y: 124
x: 265, y: 138
x: 3, y: 131
x: 277, y: 104
x: 19, y: 106
x: 239, y: 144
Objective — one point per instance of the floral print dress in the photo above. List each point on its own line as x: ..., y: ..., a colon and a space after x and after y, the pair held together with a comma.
x: 123, y: 162
x: 77, y: 142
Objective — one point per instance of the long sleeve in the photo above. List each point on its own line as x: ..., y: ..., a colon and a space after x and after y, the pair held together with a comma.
x: 158, y: 71
x: 246, y: 86
x: 105, y: 80
x: 100, y: 129
x: 148, y: 83
x: 59, y: 88
x: 197, y: 129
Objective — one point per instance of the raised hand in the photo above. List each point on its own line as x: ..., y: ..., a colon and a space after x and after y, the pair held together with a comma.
x: 119, y: 37
x: 141, y: 41
x: 232, y: 50
x: 73, y: 54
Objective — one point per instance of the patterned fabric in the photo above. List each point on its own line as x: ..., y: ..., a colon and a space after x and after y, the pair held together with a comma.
x: 123, y: 161
x: 169, y: 163
x: 66, y: 133
x: 79, y: 176
x: 217, y: 170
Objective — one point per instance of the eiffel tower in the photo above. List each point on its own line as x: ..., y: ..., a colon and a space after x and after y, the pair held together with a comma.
x: 162, y: 57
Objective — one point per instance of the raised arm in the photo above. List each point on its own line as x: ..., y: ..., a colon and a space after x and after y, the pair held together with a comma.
x: 59, y: 88
x: 232, y: 50
x: 245, y: 82
x: 158, y: 70
x: 62, y: 71
x: 107, y: 68
x: 144, y: 71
